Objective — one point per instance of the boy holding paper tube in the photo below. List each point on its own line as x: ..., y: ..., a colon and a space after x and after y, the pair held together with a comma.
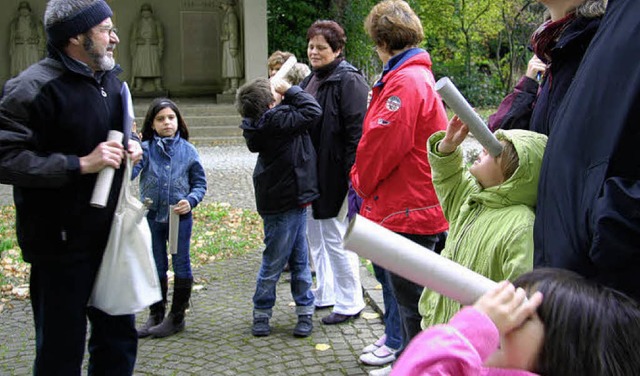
x: 489, y: 206
x: 276, y: 122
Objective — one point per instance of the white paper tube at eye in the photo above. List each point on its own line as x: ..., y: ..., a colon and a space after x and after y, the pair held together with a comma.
x: 452, y: 97
x: 102, y: 188
x: 174, y: 221
x: 414, y: 262
x: 285, y: 68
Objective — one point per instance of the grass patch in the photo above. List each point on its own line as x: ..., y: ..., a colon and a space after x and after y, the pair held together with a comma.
x: 219, y: 231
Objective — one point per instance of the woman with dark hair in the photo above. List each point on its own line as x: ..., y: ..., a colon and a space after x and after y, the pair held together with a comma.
x: 177, y: 189
x: 391, y: 171
x: 559, y: 45
x: 549, y: 322
x: 341, y: 91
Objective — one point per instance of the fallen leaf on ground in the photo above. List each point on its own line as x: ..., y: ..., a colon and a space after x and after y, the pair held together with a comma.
x: 370, y: 315
x: 322, y: 347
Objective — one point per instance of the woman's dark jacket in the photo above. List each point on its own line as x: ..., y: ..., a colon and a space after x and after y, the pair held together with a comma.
x: 285, y: 175
x: 529, y: 108
x: 343, y: 98
x: 588, y: 213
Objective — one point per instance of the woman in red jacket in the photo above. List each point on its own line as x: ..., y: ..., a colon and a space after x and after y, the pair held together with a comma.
x: 391, y: 171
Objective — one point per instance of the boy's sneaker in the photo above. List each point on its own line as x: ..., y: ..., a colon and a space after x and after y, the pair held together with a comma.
x: 260, y: 327
x: 304, y: 327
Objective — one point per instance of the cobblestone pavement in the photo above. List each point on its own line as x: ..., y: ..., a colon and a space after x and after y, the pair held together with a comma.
x: 218, y: 337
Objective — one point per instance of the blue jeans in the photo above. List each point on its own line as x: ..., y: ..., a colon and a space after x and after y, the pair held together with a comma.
x: 392, y: 323
x: 408, y: 293
x: 160, y: 235
x: 59, y: 295
x: 284, y: 240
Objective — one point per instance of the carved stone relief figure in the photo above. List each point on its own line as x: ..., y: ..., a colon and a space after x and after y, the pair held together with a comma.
x: 231, y: 47
x: 147, y: 47
x: 27, y: 41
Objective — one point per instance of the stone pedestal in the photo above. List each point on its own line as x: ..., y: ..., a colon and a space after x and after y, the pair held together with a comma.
x: 225, y: 98
x: 150, y: 94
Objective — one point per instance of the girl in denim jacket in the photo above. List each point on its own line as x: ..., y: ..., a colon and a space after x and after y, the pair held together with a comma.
x: 172, y: 176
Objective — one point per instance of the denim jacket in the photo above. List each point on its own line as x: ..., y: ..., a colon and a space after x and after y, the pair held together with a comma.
x: 170, y: 171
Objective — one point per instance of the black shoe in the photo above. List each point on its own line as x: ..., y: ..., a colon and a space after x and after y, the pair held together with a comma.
x: 260, y: 327
x: 337, y: 318
x: 304, y: 327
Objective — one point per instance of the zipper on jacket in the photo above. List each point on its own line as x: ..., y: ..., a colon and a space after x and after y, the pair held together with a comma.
x: 465, y: 230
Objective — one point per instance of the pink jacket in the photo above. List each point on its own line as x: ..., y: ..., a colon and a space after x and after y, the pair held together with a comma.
x: 459, y: 348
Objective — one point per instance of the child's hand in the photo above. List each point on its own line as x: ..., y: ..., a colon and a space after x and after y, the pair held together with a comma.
x: 182, y: 207
x: 457, y: 131
x: 507, y: 306
x: 135, y: 151
x: 280, y: 85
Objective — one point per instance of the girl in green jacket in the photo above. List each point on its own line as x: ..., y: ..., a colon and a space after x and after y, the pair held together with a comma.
x: 489, y: 206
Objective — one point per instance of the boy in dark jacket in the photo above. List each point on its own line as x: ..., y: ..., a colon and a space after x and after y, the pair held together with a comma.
x: 285, y: 183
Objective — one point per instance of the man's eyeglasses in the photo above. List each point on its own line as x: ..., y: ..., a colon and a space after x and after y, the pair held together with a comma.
x: 109, y: 30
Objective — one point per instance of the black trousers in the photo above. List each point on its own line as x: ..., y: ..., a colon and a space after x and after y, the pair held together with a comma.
x: 59, y: 295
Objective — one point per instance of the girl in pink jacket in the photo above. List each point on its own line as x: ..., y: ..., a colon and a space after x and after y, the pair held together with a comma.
x: 579, y: 328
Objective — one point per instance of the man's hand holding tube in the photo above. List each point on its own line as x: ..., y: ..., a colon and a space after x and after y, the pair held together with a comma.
x: 109, y: 154
x: 106, y: 154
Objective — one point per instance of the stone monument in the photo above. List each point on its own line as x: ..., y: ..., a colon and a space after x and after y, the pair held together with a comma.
x: 147, y: 47
x: 231, y: 48
x: 27, y: 41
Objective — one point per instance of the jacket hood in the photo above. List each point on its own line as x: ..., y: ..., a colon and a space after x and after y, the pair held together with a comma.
x: 522, y: 187
x: 414, y: 56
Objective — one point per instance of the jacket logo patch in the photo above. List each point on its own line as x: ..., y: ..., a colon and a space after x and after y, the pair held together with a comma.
x: 394, y: 103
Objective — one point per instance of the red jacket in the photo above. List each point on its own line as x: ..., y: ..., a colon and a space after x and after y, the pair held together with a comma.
x: 391, y: 172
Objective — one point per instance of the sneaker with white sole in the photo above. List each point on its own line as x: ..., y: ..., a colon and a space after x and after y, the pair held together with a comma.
x: 376, y: 345
x: 381, y: 371
x: 383, y: 355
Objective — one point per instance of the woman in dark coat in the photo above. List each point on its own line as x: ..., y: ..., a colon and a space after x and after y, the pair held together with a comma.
x: 341, y: 91
x: 559, y: 44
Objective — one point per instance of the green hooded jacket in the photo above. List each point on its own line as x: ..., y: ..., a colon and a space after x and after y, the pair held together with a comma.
x: 490, y: 230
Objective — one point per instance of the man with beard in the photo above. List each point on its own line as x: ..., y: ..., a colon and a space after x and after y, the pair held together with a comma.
x: 54, y: 120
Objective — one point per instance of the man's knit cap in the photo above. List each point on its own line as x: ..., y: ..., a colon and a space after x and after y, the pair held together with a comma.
x: 77, y: 23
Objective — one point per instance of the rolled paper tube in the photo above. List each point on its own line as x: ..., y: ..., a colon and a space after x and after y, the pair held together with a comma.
x: 465, y: 112
x: 344, y: 209
x: 174, y: 221
x: 414, y: 262
x: 102, y: 188
x: 285, y: 68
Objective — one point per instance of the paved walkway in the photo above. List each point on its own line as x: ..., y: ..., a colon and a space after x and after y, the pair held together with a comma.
x: 218, y: 337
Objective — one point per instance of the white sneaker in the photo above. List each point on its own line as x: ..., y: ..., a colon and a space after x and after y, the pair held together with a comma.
x: 381, y: 371
x: 376, y: 345
x: 383, y: 355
